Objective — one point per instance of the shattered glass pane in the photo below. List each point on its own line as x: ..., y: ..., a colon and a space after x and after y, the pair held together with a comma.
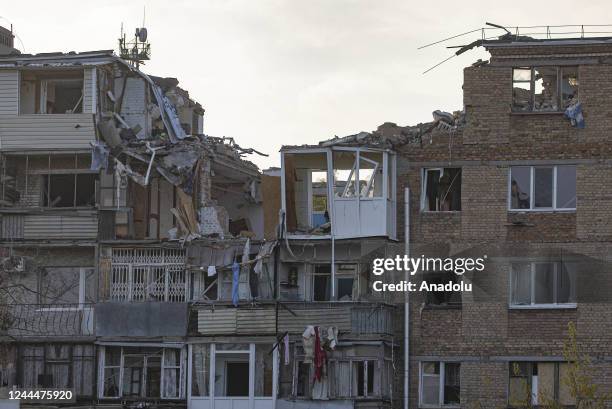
x: 521, y: 89
x: 569, y: 86
x: 345, y: 178
x: 546, y: 95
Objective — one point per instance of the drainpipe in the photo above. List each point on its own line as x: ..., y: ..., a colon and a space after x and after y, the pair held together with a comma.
x: 407, y: 299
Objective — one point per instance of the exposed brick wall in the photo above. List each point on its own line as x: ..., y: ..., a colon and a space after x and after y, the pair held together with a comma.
x: 491, y: 141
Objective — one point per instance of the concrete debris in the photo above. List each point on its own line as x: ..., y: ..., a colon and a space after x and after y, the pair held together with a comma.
x: 389, y: 135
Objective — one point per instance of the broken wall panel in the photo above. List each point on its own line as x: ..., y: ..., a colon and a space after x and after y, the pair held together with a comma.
x: 271, y: 191
x: 134, y: 106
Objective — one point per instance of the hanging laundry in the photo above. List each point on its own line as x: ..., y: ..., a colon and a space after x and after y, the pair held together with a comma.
x: 244, y: 288
x: 99, y: 156
x: 212, y: 271
x: 332, y: 337
x: 574, y: 114
x: 320, y: 388
x: 235, y: 283
x: 308, y: 343
x: 286, y: 347
x: 319, y: 355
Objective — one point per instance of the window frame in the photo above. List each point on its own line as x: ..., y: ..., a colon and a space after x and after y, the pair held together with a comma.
x: 102, y: 366
x: 424, y: 176
x: 45, y: 192
x: 532, y: 93
x: 531, y: 208
x: 533, y: 305
x: 529, y: 379
x: 339, y: 275
x: 48, y: 362
x: 441, y: 376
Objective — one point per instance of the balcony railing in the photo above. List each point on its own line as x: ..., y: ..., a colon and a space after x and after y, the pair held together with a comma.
x: 51, y: 224
x: 46, y: 320
x: 356, y: 318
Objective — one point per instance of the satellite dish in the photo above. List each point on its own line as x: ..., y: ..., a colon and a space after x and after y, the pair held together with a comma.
x: 141, y: 33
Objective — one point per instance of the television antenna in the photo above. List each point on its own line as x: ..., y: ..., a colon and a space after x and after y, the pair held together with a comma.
x: 138, y: 50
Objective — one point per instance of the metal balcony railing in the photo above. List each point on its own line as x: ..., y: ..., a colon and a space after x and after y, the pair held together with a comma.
x: 357, y: 318
x: 46, y: 320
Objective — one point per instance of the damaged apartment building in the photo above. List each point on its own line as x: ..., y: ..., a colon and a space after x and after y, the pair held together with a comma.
x: 516, y: 178
x: 141, y: 265
x: 108, y: 186
x: 146, y: 264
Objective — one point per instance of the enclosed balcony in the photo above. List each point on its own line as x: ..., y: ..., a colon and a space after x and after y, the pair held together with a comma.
x: 341, y: 191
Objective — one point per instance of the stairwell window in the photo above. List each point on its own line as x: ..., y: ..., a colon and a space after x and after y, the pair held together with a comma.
x: 542, y: 188
x: 440, y: 384
x: 542, y: 284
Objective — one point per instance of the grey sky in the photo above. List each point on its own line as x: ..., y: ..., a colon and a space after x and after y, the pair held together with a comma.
x: 274, y: 72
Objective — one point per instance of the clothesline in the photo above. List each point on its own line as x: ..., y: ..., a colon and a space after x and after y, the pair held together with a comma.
x: 229, y: 266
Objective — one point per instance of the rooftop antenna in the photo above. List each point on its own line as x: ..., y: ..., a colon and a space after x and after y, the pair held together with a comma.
x: 138, y: 50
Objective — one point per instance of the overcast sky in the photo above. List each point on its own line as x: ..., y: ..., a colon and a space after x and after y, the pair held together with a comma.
x: 274, y: 72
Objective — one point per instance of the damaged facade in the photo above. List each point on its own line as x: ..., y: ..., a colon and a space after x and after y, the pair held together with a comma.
x: 106, y: 181
x: 146, y: 263
x: 517, y: 177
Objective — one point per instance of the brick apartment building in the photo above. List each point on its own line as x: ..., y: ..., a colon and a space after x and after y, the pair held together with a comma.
x: 511, y: 178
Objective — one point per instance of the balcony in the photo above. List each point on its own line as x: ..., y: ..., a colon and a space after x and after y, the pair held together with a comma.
x: 49, y: 224
x: 46, y: 132
x: 356, y: 318
x: 46, y: 320
x: 346, y: 192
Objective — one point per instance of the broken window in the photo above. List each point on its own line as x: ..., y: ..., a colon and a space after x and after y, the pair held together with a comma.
x: 370, y: 174
x: 542, y: 283
x: 345, y: 173
x: 441, y: 189
x: 306, y: 191
x: 69, y: 190
x: 142, y: 372
x: 148, y: 274
x: 62, y: 366
x: 321, y: 283
x: 440, y: 383
x: 345, y: 282
x: 49, y: 92
x: 231, y: 372
x: 537, y: 383
x: 442, y: 298
x: 318, y: 191
x: 543, y: 89
x: 542, y: 187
